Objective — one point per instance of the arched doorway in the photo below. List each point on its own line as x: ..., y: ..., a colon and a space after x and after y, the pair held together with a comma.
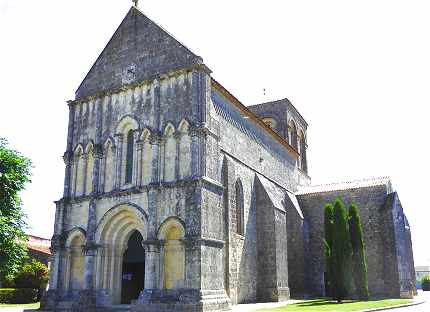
x: 116, y: 234
x: 133, y: 269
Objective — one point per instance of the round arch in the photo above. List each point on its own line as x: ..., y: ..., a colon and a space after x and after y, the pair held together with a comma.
x: 109, y: 142
x: 113, y: 233
x: 184, y: 126
x: 89, y: 147
x: 169, y: 129
x: 79, y: 150
x: 73, y: 276
x: 75, y: 233
x: 127, y: 123
x: 172, y: 232
x: 145, y: 135
x: 168, y: 224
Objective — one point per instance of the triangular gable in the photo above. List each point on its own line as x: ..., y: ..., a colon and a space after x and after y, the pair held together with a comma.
x: 138, y: 50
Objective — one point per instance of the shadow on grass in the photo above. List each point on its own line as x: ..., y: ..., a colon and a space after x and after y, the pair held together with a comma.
x: 320, y: 302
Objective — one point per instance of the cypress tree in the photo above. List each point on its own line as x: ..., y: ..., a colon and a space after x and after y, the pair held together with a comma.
x: 328, y: 245
x: 341, y: 251
x: 359, y: 263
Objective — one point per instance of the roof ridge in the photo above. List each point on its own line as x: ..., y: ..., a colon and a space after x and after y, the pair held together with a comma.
x: 353, y: 181
x: 269, y: 102
x: 345, y: 185
x: 287, y: 102
x: 166, y: 31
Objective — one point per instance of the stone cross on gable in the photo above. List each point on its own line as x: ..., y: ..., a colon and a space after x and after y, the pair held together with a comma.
x: 136, y: 2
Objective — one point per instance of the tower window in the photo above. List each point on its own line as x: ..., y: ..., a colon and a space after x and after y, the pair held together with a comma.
x: 293, y: 136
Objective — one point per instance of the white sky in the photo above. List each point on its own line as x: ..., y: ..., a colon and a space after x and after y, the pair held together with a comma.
x: 358, y: 71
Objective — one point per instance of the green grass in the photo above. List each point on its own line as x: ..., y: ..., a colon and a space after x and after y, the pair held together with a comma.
x: 332, y: 306
x: 27, y: 306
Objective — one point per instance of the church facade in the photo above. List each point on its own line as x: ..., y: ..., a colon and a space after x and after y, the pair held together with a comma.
x: 177, y: 197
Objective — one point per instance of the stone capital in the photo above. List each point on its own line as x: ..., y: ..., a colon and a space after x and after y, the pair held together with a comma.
x: 152, y: 245
x: 139, y: 145
x: 155, y: 139
x: 57, y: 243
x: 98, y: 151
x: 178, y: 135
x: 90, y: 248
x: 68, y: 157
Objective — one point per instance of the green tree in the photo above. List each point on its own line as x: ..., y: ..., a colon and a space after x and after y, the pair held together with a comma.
x: 425, y: 283
x: 328, y: 245
x: 33, y: 275
x: 341, y: 251
x: 359, y: 263
x: 14, y: 174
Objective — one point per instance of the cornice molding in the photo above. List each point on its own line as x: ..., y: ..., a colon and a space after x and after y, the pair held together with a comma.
x: 156, y: 80
x: 254, y: 117
x: 193, y: 181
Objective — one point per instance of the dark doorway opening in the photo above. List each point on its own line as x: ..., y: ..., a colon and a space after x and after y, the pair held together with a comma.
x: 133, y: 269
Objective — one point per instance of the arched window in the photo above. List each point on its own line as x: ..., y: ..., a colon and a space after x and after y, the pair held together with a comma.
x: 293, y: 135
x: 239, y: 209
x: 303, y: 161
x: 129, y: 157
x: 169, y: 153
x: 184, y: 150
x: 125, y: 157
x: 79, y: 171
x: 90, y: 168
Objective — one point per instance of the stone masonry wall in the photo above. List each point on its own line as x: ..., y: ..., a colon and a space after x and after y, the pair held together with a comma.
x: 377, y: 231
x: 403, y: 246
x: 282, y: 112
x: 296, y: 251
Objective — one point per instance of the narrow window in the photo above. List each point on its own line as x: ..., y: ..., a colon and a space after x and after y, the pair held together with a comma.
x: 303, y: 153
x: 129, y: 157
x: 293, y: 131
x: 239, y: 209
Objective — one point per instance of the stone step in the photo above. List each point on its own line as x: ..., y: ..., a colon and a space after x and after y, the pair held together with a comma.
x: 115, y: 308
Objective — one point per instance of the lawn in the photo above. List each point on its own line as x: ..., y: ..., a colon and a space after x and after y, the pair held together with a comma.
x: 26, y: 306
x: 329, y: 305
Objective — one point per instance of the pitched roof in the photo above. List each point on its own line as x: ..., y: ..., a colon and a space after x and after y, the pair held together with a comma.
x: 243, y: 125
x: 285, y: 102
x: 139, y: 50
x: 39, y: 244
x: 343, y: 186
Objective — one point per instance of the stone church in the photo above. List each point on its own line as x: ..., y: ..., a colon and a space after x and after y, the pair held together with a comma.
x: 178, y: 197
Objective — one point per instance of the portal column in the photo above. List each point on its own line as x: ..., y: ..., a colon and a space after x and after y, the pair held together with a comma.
x: 152, y: 269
